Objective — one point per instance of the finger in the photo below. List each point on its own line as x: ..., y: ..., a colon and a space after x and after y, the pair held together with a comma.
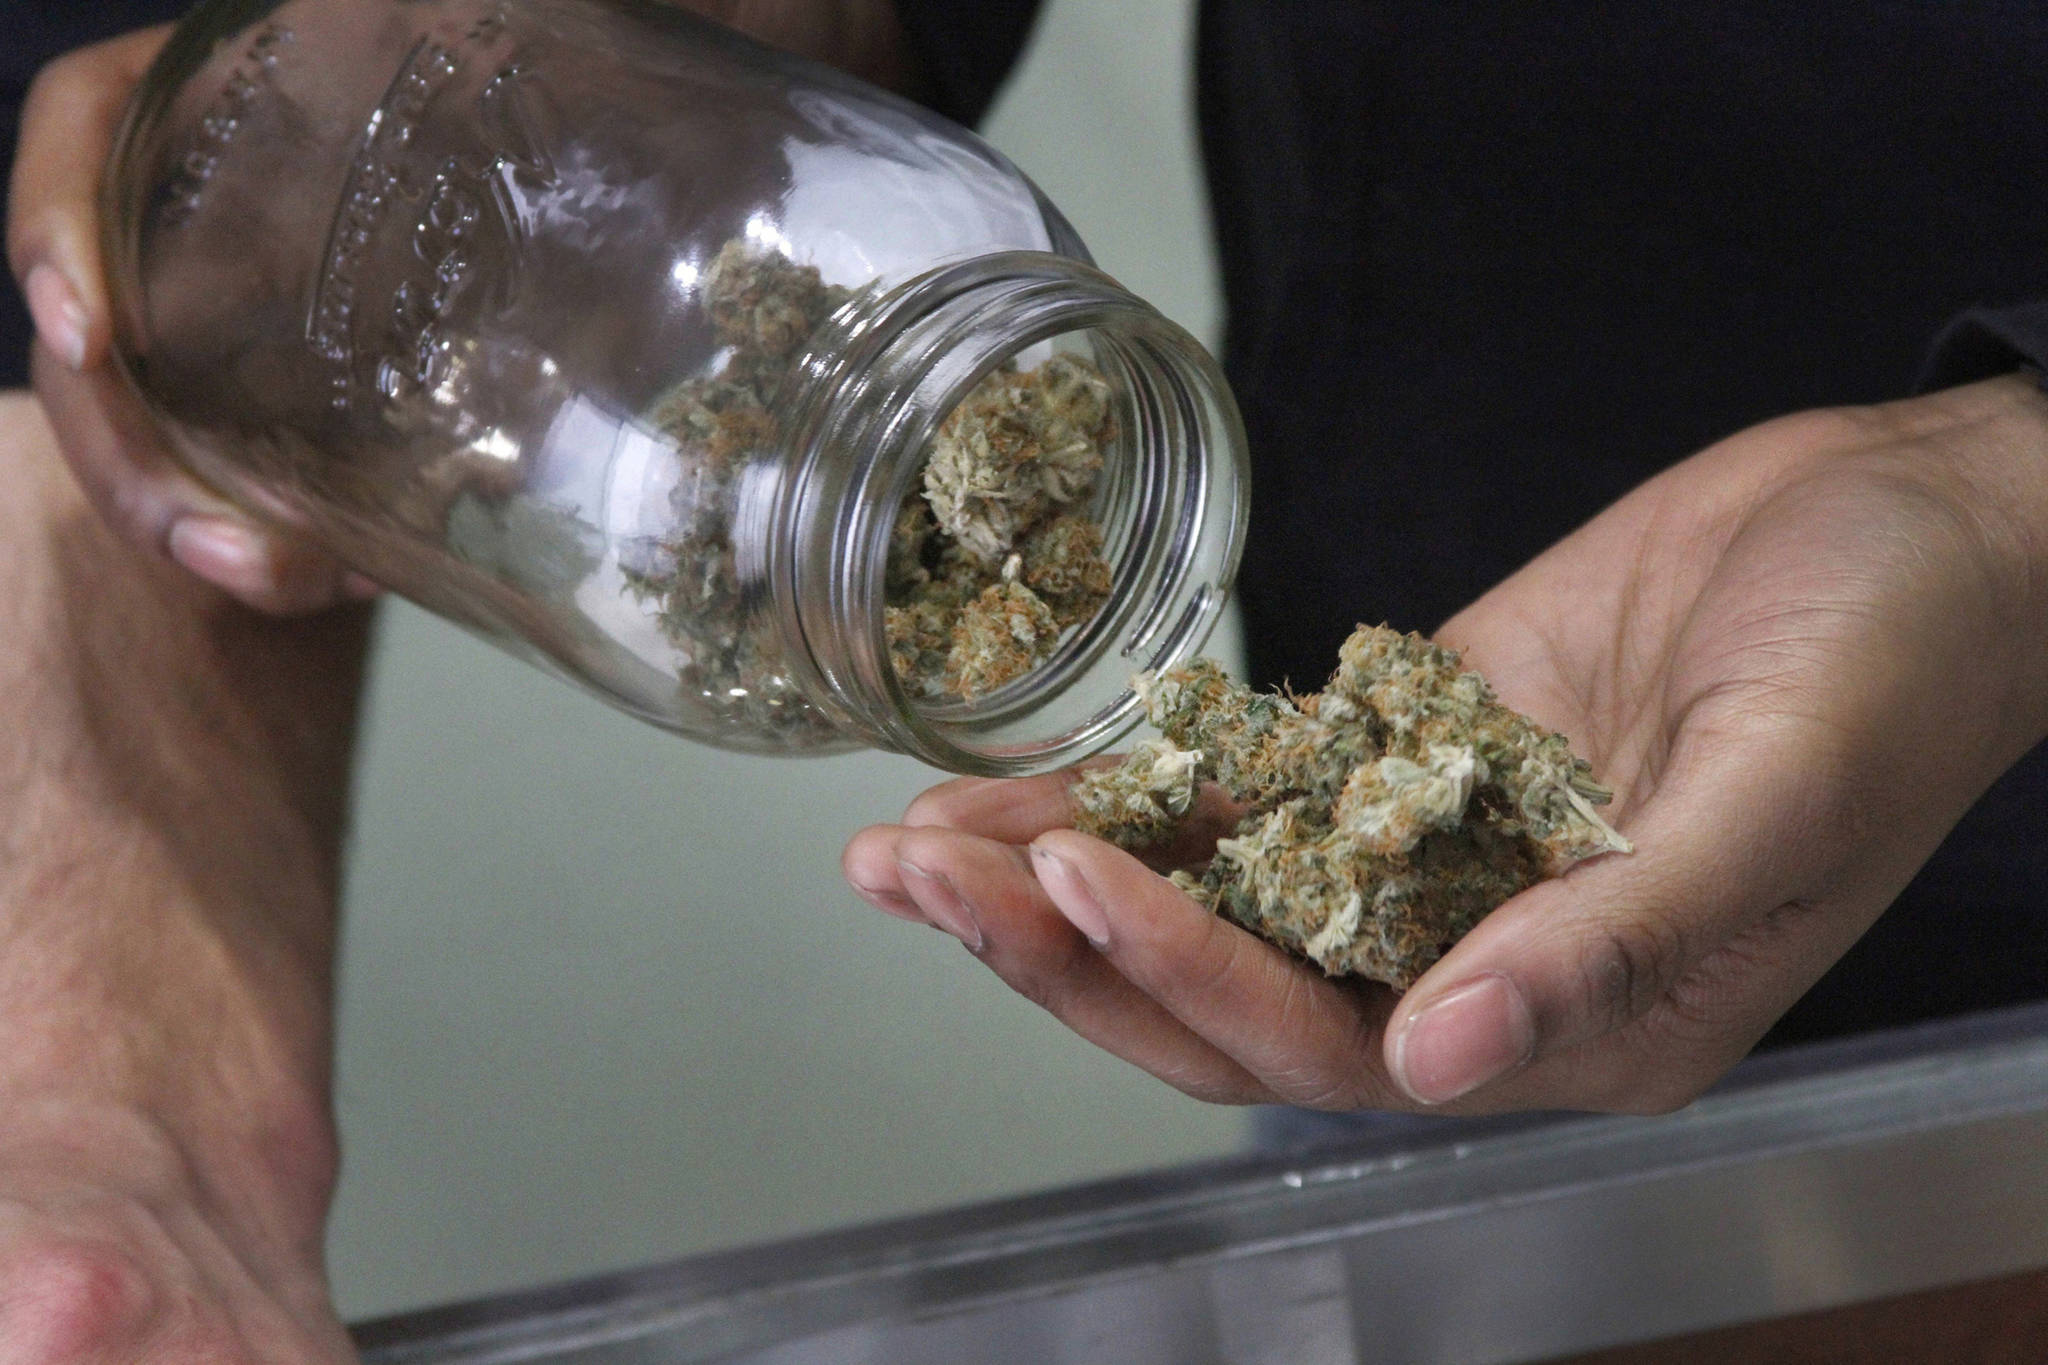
x: 1634, y: 981
x: 983, y: 892
x: 1012, y: 810
x: 1310, y: 1040
x: 118, y: 457
x: 871, y: 867
x: 68, y: 124
x: 1018, y: 810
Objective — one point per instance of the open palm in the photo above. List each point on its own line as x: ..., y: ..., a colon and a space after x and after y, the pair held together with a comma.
x: 1797, y: 657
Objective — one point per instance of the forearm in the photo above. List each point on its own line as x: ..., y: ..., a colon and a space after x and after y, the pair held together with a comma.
x: 172, y: 784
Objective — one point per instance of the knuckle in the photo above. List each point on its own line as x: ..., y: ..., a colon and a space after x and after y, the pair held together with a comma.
x: 1202, y: 1078
x: 1211, y: 972
x: 50, y: 81
x: 1050, y: 971
x: 1313, y: 1088
x: 68, y: 1299
x: 1629, y: 965
x: 1212, y: 1089
x: 1670, y: 1058
x: 1834, y: 428
x: 23, y: 244
x: 1047, y: 990
x: 1328, y: 1060
x: 96, y: 72
x: 932, y: 807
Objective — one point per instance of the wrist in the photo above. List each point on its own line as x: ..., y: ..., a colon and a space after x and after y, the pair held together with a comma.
x: 155, y: 1037
x: 267, y: 1192
x: 1989, y: 446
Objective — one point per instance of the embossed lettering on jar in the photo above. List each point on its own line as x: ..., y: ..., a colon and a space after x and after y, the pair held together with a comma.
x: 627, y: 343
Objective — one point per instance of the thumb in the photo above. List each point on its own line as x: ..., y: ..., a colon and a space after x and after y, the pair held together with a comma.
x: 1635, y: 980
x: 68, y: 123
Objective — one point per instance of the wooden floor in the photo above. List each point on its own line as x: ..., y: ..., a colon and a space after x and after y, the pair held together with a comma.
x: 1988, y: 1322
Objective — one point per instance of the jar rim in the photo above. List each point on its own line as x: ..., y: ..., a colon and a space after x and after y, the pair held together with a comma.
x: 863, y: 417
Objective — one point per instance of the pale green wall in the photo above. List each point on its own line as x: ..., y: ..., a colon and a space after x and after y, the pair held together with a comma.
x: 605, y: 1000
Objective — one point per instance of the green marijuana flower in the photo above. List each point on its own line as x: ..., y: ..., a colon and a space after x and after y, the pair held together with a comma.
x: 1384, y: 816
x: 992, y: 558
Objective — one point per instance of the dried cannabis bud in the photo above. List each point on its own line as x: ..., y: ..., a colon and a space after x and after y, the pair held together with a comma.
x: 1062, y: 562
x: 1144, y: 800
x: 763, y: 307
x: 1386, y: 815
x: 989, y: 563
x: 989, y: 559
x: 1020, y: 445
x: 998, y: 636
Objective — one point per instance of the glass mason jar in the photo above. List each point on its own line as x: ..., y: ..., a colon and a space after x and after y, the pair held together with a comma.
x: 631, y: 344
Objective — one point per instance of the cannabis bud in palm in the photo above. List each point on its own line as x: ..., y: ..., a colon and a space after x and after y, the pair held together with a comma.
x: 1384, y: 816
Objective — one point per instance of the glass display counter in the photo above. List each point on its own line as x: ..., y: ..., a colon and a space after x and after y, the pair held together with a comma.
x: 1812, y: 1178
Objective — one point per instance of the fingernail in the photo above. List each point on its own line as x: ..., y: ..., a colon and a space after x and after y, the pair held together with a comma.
x: 362, y: 588
x: 59, y: 316
x: 1072, y: 894
x: 942, y: 904
x: 1470, y: 1035
x: 222, y: 552
x: 889, y: 903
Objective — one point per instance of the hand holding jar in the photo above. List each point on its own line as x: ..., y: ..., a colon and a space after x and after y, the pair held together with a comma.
x: 633, y: 345
x: 111, y: 440
x: 177, y: 1216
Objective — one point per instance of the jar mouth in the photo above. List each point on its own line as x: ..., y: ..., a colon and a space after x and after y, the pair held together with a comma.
x: 1171, y: 504
x: 200, y: 37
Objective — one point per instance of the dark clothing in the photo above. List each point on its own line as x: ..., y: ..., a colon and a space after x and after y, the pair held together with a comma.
x: 36, y: 31
x: 1488, y: 266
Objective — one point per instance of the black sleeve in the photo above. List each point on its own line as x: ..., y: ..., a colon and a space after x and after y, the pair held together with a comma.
x: 1989, y: 341
x: 35, y: 34
x: 966, y: 48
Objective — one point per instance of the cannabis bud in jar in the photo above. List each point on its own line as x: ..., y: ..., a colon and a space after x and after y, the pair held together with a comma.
x: 763, y: 308
x: 1385, y: 816
x: 622, y: 340
x: 992, y: 559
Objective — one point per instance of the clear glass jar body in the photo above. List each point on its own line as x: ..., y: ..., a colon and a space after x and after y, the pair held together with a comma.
x: 465, y: 289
